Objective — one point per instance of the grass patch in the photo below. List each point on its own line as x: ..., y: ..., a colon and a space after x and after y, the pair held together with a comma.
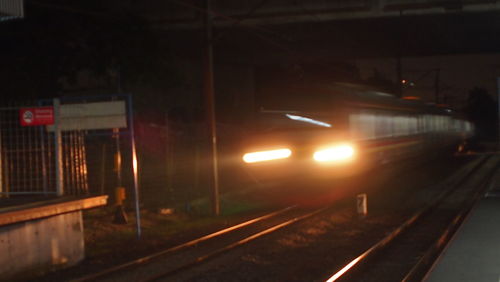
x: 106, y: 241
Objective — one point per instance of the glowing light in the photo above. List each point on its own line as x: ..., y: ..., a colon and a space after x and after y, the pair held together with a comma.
x: 344, y: 269
x: 411, y: 98
x: 334, y: 154
x: 308, y: 120
x: 134, y: 164
x: 270, y: 155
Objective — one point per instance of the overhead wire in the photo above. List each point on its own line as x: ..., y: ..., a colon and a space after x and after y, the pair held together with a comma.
x: 260, y: 32
x: 72, y: 10
x: 248, y: 14
x: 294, y: 54
x: 237, y: 22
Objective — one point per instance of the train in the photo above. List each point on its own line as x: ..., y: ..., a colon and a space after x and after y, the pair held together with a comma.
x: 345, y: 129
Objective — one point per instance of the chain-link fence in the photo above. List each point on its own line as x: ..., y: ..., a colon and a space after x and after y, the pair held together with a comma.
x: 33, y: 159
x: 174, y: 163
x: 174, y: 167
x: 26, y: 156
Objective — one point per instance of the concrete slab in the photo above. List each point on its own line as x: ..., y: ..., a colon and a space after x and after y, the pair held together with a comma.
x: 40, y: 237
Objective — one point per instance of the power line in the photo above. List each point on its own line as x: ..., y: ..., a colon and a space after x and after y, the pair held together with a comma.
x: 248, y: 14
x: 72, y: 10
x: 294, y: 54
x: 236, y: 22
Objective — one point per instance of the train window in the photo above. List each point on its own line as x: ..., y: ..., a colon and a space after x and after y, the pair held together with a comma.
x: 363, y: 125
x: 429, y: 123
x: 441, y: 123
x: 308, y: 120
x: 421, y: 124
x: 460, y: 126
x: 402, y: 126
x: 449, y: 124
x: 413, y: 125
x: 455, y: 125
x: 469, y: 127
x: 383, y: 126
x: 397, y: 126
x: 354, y: 124
x: 277, y: 121
x: 435, y: 123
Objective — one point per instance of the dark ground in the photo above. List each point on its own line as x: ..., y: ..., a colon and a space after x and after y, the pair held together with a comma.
x: 109, y: 244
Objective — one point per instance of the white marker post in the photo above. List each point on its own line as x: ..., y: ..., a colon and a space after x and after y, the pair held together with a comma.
x: 362, y: 205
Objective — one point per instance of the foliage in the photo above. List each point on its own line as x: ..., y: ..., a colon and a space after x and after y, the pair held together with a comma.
x: 482, y: 110
x: 47, y: 51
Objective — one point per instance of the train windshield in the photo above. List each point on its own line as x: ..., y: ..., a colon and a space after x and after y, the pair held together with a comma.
x: 276, y: 121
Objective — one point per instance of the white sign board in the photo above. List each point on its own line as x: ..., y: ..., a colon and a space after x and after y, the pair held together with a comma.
x: 11, y: 9
x: 100, y: 115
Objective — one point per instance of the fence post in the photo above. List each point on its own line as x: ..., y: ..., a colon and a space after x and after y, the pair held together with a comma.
x: 58, y: 148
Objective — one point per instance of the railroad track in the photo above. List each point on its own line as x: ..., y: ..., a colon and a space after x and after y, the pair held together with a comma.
x: 171, y: 261
x: 202, y: 258
x: 408, y: 251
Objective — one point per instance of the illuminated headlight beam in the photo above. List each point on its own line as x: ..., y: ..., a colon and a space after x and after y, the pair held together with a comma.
x: 270, y: 155
x: 334, y: 154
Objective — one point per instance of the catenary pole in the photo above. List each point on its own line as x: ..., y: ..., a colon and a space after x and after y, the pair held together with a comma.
x: 210, y: 106
x: 436, y: 87
x: 134, y: 166
x: 498, y: 121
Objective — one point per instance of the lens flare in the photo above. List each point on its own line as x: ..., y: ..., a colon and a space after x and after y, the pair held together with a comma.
x: 270, y: 155
x: 335, y: 154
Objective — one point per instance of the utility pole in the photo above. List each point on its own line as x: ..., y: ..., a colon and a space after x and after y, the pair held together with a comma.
x: 498, y: 93
x: 399, y: 76
x: 436, y: 86
x: 399, y: 64
x: 210, y: 105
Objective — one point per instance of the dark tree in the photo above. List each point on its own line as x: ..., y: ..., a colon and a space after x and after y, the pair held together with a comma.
x: 45, y: 52
x: 380, y: 81
x: 482, y: 110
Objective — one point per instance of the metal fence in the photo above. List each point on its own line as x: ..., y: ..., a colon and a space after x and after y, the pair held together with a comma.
x: 35, y: 160
x: 26, y: 156
x: 174, y: 165
x: 172, y: 157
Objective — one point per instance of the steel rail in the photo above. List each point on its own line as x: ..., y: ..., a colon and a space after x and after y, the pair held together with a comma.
x: 449, y: 232
x: 407, y: 224
x: 145, y: 259
x: 222, y: 250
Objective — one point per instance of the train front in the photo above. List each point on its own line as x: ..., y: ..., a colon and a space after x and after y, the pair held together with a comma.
x: 293, y: 145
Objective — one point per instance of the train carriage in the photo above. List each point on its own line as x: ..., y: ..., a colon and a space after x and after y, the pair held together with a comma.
x: 350, y: 129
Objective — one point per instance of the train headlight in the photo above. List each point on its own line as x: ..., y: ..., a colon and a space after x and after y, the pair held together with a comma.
x: 270, y: 155
x: 336, y: 153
